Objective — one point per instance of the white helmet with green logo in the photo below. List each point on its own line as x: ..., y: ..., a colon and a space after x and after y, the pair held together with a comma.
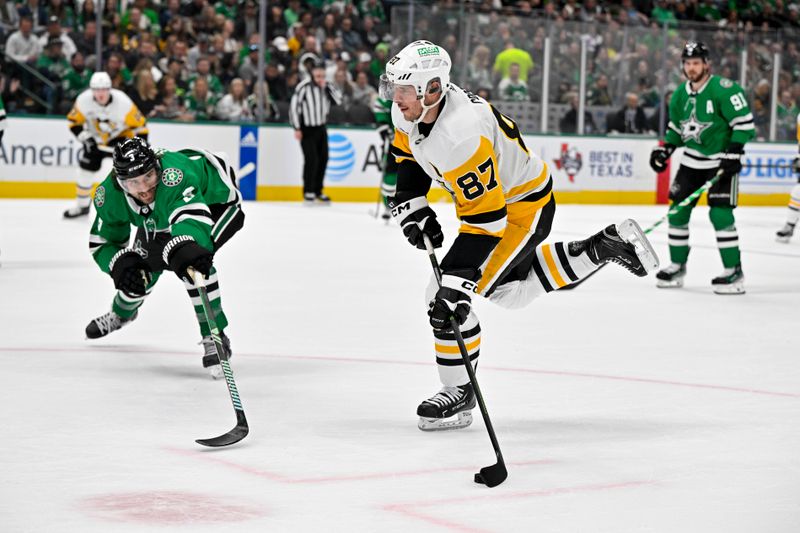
x: 418, y: 64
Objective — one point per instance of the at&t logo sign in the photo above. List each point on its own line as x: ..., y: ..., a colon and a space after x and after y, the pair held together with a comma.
x: 341, y: 157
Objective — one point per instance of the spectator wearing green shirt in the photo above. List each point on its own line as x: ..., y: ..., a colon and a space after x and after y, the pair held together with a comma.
x: 145, y: 20
x: 512, y: 54
x: 707, y: 12
x: 204, y: 71
x: 662, y: 14
x: 227, y: 8
x: 373, y: 8
x: 76, y: 80
x: 787, y: 116
x: 200, y: 102
x: 53, y: 65
x: 292, y: 13
x: 512, y: 88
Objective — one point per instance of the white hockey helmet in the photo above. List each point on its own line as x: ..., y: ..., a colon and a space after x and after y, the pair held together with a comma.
x: 100, y: 80
x: 417, y: 65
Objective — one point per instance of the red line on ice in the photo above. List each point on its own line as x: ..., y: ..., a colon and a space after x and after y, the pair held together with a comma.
x: 410, y: 508
x: 563, y: 373
x: 272, y: 476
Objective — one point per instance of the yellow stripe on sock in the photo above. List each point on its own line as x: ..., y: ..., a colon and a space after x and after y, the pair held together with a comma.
x: 440, y: 348
x: 551, y: 264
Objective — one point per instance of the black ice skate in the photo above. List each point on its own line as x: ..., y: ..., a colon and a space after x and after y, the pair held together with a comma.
x: 624, y: 243
x: 447, y: 403
x: 785, y: 233
x: 76, y: 211
x: 731, y: 281
x: 105, y: 324
x: 672, y: 276
x: 210, y: 360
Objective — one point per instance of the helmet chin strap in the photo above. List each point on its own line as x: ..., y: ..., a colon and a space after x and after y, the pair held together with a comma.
x: 426, y: 108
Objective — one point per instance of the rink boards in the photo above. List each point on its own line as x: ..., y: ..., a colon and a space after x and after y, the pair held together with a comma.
x: 38, y: 158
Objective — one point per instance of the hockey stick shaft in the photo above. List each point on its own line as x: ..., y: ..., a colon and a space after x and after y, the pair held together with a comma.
x: 242, y: 428
x: 674, y: 210
x: 496, y: 474
x: 386, y: 157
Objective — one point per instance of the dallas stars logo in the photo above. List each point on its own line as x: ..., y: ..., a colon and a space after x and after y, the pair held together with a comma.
x: 171, y: 176
x: 691, y: 128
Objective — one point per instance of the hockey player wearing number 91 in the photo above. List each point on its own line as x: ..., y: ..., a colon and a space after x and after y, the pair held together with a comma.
x: 503, y: 196
x: 186, y: 206
x: 708, y: 116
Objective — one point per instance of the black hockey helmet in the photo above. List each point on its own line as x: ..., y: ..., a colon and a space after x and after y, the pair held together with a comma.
x: 132, y: 158
x: 695, y: 49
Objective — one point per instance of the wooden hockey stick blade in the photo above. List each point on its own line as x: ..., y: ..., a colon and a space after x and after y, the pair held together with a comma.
x: 491, y: 476
x: 232, y: 437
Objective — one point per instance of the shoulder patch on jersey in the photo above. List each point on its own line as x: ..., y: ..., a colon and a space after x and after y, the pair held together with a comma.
x: 725, y: 83
x: 100, y: 196
x: 171, y: 176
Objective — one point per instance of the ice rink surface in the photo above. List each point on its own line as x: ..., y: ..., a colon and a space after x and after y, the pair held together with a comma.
x: 619, y: 407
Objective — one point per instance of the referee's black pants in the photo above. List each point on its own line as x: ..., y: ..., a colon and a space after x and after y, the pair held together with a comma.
x: 315, y: 151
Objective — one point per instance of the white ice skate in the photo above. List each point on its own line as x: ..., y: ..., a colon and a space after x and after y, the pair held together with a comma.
x: 785, y: 233
x: 731, y: 281
x: 672, y: 276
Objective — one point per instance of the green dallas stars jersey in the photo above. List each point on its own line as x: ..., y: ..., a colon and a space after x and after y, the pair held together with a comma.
x: 708, y: 121
x: 382, y: 109
x: 190, y: 181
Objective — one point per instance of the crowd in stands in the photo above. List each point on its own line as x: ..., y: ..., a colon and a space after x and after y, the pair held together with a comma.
x: 198, y: 59
x: 633, y: 55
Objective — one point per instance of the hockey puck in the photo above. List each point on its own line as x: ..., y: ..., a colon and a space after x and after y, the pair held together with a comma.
x: 479, y: 479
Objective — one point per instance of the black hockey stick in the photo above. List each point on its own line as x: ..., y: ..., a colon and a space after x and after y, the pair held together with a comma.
x: 242, y: 429
x: 675, y: 209
x: 491, y: 476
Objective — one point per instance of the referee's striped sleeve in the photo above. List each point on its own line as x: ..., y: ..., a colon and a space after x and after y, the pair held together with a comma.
x: 295, y: 110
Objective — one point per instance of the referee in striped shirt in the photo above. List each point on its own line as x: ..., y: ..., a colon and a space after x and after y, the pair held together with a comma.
x: 308, y: 113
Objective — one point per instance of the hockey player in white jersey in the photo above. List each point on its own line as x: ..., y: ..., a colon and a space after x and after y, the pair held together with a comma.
x: 100, y: 118
x: 503, y: 197
x: 786, y: 232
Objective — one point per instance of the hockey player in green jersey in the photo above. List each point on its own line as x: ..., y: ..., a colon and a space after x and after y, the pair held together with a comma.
x: 186, y: 206
x: 382, y: 109
x: 708, y: 116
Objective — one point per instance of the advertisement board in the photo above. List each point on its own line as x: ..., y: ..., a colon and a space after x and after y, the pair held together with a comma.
x: 38, y: 158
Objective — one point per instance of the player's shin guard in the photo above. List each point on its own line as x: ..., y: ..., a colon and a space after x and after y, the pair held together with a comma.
x: 678, y: 243
x: 727, y: 236
x: 679, y: 235
x: 212, y: 287
x: 553, y: 267
x: 125, y: 306
x: 785, y: 233
x: 794, y: 205
x: 448, y: 357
